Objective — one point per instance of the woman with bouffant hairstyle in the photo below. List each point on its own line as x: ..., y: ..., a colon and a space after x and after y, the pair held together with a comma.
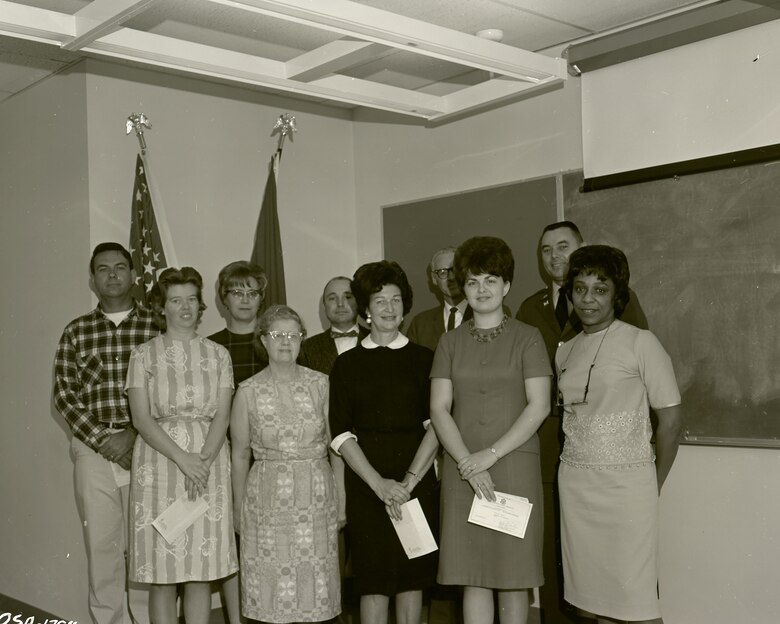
x: 378, y: 415
x: 490, y: 391
x: 179, y: 386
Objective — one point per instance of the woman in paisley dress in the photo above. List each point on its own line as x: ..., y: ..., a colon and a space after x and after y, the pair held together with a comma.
x: 179, y: 387
x: 609, y: 376
x: 287, y: 501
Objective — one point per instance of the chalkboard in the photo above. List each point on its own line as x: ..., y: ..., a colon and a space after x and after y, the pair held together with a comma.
x: 704, y: 252
x: 516, y: 212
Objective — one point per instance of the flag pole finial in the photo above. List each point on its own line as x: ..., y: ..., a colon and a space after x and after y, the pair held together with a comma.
x: 138, y: 122
x: 284, y: 125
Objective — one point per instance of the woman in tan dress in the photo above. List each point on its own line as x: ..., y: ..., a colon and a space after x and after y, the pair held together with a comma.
x: 490, y: 391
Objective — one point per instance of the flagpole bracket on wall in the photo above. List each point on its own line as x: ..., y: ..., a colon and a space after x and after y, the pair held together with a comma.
x: 284, y: 125
x: 138, y: 122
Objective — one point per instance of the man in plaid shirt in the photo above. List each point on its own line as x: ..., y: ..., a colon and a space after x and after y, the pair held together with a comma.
x: 90, y: 369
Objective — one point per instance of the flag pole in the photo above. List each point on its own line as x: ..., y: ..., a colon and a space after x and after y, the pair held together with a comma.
x: 267, y: 247
x: 138, y: 122
x: 284, y: 125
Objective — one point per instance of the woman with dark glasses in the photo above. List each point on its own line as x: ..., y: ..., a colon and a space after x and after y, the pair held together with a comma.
x: 609, y: 376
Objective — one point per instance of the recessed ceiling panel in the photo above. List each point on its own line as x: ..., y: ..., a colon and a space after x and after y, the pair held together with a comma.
x: 420, y: 69
x: 230, y: 28
x: 416, y: 57
x: 62, y: 6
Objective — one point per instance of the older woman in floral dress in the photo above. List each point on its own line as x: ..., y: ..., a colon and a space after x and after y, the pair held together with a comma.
x: 287, y: 501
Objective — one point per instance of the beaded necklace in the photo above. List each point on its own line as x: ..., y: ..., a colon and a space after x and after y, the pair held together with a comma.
x: 491, y: 335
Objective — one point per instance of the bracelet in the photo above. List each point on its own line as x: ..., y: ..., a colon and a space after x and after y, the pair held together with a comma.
x: 495, y: 452
x: 409, y: 472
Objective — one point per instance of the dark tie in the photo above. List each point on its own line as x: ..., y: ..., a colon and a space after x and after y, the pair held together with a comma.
x: 451, y: 319
x: 350, y: 334
x: 562, y: 310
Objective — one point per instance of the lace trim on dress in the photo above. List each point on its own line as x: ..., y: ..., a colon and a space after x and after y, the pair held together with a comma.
x: 629, y: 466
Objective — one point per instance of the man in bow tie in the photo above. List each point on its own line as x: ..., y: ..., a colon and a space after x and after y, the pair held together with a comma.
x: 553, y: 315
x: 428, y: 326
x: 319, y: 352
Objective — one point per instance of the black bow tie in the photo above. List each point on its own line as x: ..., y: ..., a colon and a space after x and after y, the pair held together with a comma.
x: 350, y: 334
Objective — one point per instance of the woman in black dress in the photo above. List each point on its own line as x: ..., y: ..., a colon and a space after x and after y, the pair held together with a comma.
x: 379, y: 403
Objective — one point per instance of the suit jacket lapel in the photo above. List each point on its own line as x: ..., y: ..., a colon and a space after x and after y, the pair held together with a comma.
x: 331, y: 352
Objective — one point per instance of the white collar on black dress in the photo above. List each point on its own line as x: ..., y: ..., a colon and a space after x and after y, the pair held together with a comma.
x: 399, y: 341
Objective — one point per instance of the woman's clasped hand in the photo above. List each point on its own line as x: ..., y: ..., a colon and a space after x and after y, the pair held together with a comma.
x: 474, y: 469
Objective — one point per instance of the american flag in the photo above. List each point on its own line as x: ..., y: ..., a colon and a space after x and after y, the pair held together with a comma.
x: 145, y: 244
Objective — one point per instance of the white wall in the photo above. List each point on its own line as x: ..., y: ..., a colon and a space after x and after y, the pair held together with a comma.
x: 208, y: 154
x: 44, y: 242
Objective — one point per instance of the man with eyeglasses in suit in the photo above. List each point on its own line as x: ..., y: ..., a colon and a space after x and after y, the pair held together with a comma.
x: 427, y: 327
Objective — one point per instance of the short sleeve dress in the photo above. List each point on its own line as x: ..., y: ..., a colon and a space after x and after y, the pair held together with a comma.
x: 183, y: 379
x: 289, y: 515
x: 488, y: 382
x: 382, y: 394
x: 607, y: 479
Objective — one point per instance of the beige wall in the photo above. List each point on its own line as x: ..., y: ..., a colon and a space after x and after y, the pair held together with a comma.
x: 402, y: 161
x: 720, y: 547
x: 45, y: 250
x: 208, y: 155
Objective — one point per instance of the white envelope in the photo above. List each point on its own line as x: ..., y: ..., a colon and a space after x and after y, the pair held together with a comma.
x: 179, y: 516
x: 508, y: 513
x: 413, y: 530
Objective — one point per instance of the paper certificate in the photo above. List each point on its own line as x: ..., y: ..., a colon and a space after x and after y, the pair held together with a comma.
x: 508, y: 514
x: 413, y: 530
x: 180, y: 515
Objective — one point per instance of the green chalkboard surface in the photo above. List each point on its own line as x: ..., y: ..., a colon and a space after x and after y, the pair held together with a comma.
x: 704, y: 252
